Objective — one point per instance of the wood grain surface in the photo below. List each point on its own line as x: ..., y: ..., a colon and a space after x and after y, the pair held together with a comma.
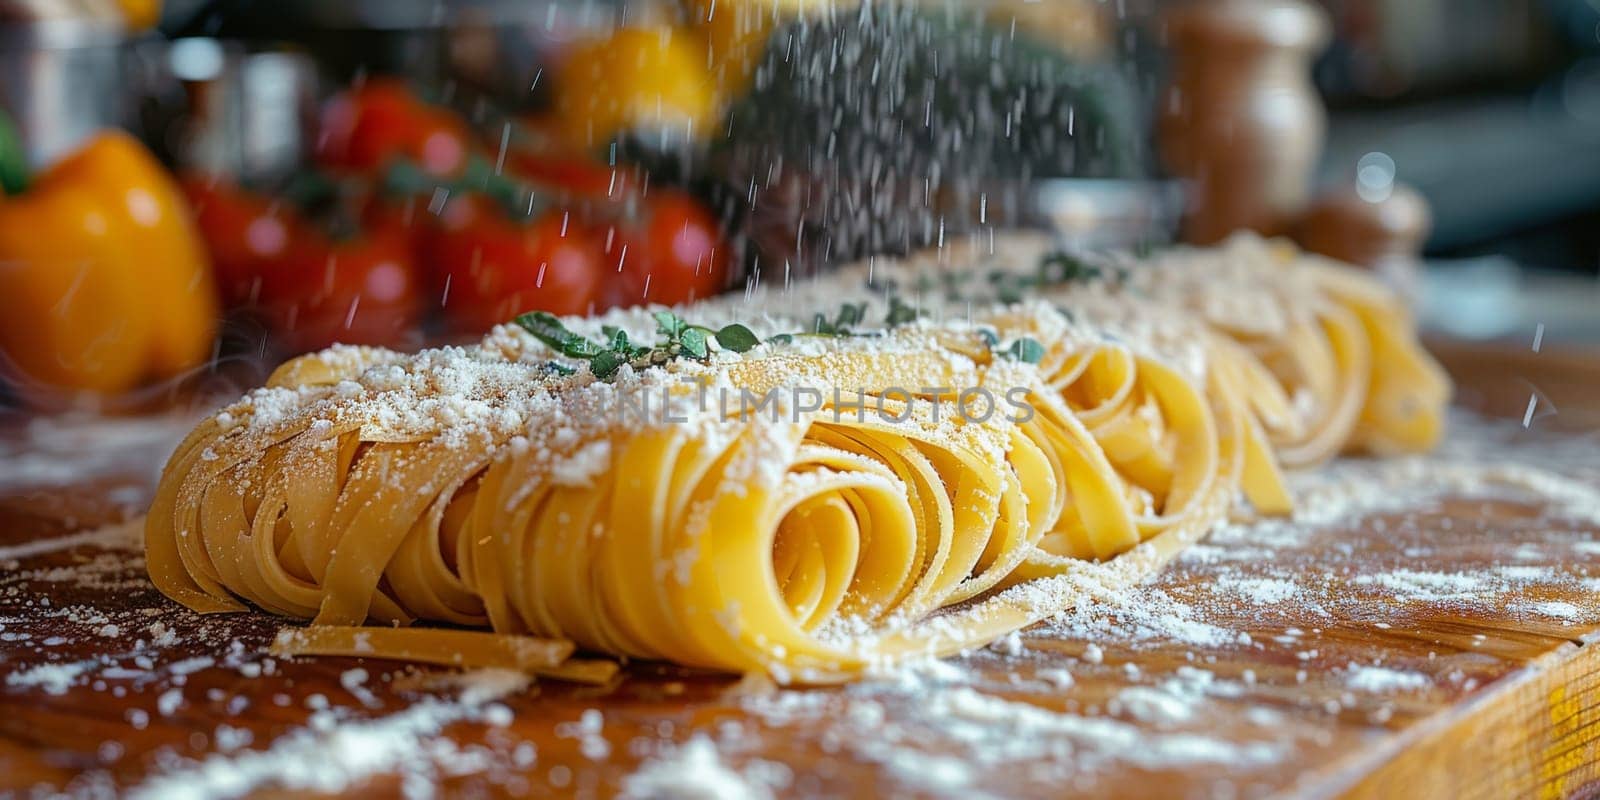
x: 1438, y: 648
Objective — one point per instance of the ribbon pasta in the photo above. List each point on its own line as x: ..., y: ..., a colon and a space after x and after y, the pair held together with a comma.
x: 868, y: 514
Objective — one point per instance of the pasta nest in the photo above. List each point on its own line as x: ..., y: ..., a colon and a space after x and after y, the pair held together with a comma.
x: 866, y: 513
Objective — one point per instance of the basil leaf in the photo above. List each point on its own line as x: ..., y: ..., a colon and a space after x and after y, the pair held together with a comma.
x: 737, y: 338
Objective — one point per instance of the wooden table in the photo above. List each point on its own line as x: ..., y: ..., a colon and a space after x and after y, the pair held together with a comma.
x: 1440, y: 648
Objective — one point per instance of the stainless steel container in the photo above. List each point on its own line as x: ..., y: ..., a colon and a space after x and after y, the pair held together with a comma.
x: 60, y: 71
x: 477, y: 48
x: 222, y: 108
x: 1104, y: 214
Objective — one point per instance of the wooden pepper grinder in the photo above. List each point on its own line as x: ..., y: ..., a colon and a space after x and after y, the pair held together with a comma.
x: 1240, y: 119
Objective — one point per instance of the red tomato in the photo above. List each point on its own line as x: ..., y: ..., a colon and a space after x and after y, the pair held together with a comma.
x: 489, y: 268
x: 380, y: 107
x: 358, y: 291
x: 368, y: 127
x: 439, y: 144
x: 677, y: 255
x: 576, y: 173
x: 405, y: 217
x: 538, y: 154
x: 244, y: 232
x: 452, y: 231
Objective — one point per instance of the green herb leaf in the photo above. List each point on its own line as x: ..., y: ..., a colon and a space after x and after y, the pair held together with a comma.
x: 1026, y: 350
x: 989, y: 337
x: 679, y: 339
x: 616, y: 338
x: 693, y: 342
x: 1059, y: 268
x: 851, y: 315
x: 901, y: 313
x: 604, y: 365
x: 737, y: 338
x: 669, y: 324
x: 547, y: 328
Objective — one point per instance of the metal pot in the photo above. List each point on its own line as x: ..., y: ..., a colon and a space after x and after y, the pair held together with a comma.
x: 60, y: 71
x: 220, y: 107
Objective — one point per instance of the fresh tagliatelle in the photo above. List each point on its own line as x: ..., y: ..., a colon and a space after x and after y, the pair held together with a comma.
x: 946, y: 469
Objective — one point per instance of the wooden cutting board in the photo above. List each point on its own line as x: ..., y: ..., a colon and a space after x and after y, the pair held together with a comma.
x: 1394, y: 641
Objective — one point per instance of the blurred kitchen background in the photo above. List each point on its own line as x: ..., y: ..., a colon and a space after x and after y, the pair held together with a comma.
x: 378, y: 171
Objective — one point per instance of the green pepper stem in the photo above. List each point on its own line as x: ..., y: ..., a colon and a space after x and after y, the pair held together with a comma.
x: 14, y: 173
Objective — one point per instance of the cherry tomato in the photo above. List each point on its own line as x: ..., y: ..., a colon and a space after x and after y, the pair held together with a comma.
x: 381, y: 106
x: 244, y: 232
x: 440, y: 143
x: 676, y: 256
x: 488, y: 268
x: 572, y: 172
x: 405, y: 217
x: 538, y: 154
x: 452, y: 231
x: 366, y: 128
x: 363, y: 290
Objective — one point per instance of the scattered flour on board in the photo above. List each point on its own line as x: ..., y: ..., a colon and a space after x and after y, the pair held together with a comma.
x: 1260, y: 591
x: 1179, y: 698
x: 52, y: 678
x: 57, y: 451
x: 1139, y: 615
x: 334, y: 754
x: 1418, y: 585
x: 117, y: 536
x: 944, y: 734
x: 1555, y: 609
x: 1382, y: 680
x: 696, y: 771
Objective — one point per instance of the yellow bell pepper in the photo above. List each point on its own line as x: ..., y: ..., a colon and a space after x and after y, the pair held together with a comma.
x: 140, y: 14
x: 735, y: 37
x: 643, y: 79
x: 104, y: 281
